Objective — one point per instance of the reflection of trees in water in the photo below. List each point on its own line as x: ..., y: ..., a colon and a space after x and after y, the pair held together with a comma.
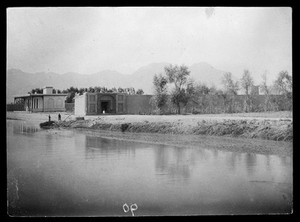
x: 284, y: 161
x: 23, y: 128
x: 250, y: 160
x: 201, y: 154
x: 180, y: 171
x: 179, y: 155
x: 268, y: 164
x: 106, y: 147
x: 215, y: 153
x: 48, y: 143
x: 161, y: 158
x: 175, y: 162
x: 232, y: 158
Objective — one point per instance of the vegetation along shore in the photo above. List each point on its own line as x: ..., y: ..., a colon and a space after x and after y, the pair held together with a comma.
x: 276, y: 126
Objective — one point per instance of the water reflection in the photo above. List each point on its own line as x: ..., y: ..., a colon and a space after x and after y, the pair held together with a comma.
x: 24, y: 128
x: 175, y: 162
x: 72, y: 173
x: 268, y: 164
x: 250, y: 163
x: 215, y: 153
x: 95, y: 146
x: 48, y: 143
x: 161, y: 158
x: 232, y: 159
x: 284, y: 160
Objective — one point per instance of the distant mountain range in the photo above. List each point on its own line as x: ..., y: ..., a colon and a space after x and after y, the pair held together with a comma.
x: 19, y: 82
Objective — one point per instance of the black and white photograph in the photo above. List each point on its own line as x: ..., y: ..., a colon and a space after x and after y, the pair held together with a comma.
x: 149, y: 111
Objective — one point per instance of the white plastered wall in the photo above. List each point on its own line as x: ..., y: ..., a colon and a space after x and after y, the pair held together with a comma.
x: 80, y: 105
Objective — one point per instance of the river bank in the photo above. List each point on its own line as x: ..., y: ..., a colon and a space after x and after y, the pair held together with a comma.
x: 270, y: 126
x: 235, y: 132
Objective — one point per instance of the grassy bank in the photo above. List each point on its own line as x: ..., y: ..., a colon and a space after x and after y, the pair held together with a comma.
x: 279, y: 130
x: 277, y: 126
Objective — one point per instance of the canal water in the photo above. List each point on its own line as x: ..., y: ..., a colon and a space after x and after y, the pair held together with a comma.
x: 70, y: 173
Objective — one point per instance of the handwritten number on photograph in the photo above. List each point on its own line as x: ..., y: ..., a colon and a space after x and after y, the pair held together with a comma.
x: 132, y: 208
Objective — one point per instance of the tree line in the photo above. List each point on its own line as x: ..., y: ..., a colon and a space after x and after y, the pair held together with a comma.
x: 72, y: 91
x: 175, y: 90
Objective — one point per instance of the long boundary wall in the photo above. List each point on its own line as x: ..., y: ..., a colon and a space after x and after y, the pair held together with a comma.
x: 138, y: 104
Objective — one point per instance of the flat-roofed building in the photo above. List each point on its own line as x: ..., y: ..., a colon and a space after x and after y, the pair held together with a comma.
x: 45, y: 102
x: 111, y: 103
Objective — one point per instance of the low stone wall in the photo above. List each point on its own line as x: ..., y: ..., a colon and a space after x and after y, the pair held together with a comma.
x: 138, y: 104
x: 15, y: 107
x: 237, y: 104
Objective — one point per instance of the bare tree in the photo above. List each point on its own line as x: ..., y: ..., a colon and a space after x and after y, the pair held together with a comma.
x: 266, y: 91
x: 178, y: 76
x: 231, y: 90
x: 231, y: 86
x: 160, y: 91
x: 200, y: 97
x: 247, y: 84
x: 283, y: 85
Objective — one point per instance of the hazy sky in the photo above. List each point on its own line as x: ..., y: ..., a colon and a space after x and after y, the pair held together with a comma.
x: 88, y: 40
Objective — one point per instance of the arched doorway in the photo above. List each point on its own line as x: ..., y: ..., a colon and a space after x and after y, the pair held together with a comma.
x: 106, y: 103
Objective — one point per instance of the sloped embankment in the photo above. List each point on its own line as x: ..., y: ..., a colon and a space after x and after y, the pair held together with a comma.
x: 279, y: 130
